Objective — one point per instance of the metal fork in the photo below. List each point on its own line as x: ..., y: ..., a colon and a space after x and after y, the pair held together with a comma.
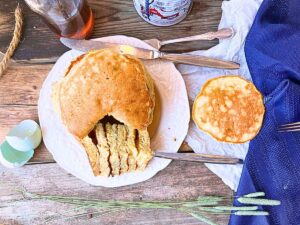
x: 289, y: 127
x: 220, y: 34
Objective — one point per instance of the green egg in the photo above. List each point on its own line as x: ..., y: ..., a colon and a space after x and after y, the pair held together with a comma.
x: 25, y: 136
x: 12, y: 158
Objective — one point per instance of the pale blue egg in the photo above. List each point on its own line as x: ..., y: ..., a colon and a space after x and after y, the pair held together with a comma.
x: 25, y: 136
x: 12, y: 158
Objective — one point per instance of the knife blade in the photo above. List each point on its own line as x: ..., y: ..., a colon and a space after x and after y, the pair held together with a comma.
x: 194, y: 157
x: 87, y: 45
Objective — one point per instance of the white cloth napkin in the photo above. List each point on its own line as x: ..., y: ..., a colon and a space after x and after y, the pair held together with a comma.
x: 238, y: 14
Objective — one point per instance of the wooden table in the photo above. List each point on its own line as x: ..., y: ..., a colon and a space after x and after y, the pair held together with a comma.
x: 19, y: 89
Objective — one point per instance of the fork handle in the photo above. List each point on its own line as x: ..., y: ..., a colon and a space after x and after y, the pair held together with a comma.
x: 220, y: 34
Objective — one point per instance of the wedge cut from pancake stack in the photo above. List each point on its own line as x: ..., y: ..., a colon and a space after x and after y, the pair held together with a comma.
x: 104, y: 84
x: 230, y: 109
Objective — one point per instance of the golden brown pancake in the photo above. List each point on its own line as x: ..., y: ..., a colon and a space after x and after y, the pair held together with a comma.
x: 123, y: 149
x: 92, y: 153
x: 102, y: 83
x: 132, y: 149
x: 230, y: 109
x: 103, y: 150
x: 112, y: 137
x: 145, y: 154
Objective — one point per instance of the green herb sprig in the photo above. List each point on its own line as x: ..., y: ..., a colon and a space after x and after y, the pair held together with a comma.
x: 199, y: 208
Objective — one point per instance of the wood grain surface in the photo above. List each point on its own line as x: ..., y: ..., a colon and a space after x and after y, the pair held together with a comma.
x: 193, y: 180
x: 112, y: 17
x: 19, y: 89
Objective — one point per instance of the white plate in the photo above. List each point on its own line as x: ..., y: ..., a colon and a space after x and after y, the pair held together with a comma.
x: 172, y: 129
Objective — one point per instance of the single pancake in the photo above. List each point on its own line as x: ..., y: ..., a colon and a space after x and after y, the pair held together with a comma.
x: 230, y: 109
x: 112, y: 138
x: 103, y: 150
x: 132, y: 150
x: 92, y: 153
x: 123, y: 149
x: 145, y: 154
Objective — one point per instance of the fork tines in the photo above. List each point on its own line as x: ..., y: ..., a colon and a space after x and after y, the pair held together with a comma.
x: 289, y: 127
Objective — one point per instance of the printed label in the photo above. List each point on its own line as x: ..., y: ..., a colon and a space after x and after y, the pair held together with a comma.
x: 163, y: 12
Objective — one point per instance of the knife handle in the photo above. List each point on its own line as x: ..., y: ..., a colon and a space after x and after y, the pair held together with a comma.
x: 194, y: 157
x: 200, y: 61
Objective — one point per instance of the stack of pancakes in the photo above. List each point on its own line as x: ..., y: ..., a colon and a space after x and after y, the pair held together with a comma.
x: 119, y: 149
x: 100, y: 84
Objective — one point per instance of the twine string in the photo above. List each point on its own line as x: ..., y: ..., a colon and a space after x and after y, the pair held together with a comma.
x: 15, y: 40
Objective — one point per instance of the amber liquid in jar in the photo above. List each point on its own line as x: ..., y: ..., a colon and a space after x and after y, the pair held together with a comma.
x: 78, y: 24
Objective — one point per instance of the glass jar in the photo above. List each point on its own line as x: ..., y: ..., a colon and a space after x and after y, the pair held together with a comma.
x: 67, y: 18
x: 163, y: 12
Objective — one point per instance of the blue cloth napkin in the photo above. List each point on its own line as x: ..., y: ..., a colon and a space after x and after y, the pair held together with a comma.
x: 272, y: 165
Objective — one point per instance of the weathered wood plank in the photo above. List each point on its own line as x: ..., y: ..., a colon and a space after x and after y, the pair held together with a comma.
x: 36, y: 215
x: 112, y: 17
x: 12, y: 115
x: 130, y: 217
x: 20, y: 85
x: 193, y: 180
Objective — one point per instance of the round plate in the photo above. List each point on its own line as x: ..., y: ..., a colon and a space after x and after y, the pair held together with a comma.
x: 171, y: 130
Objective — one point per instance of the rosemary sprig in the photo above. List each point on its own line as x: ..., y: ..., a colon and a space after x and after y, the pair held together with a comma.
x: 199, y: 208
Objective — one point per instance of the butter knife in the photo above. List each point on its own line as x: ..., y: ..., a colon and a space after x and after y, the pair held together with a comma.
x: 194, y: 157
x: 87, y: 45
